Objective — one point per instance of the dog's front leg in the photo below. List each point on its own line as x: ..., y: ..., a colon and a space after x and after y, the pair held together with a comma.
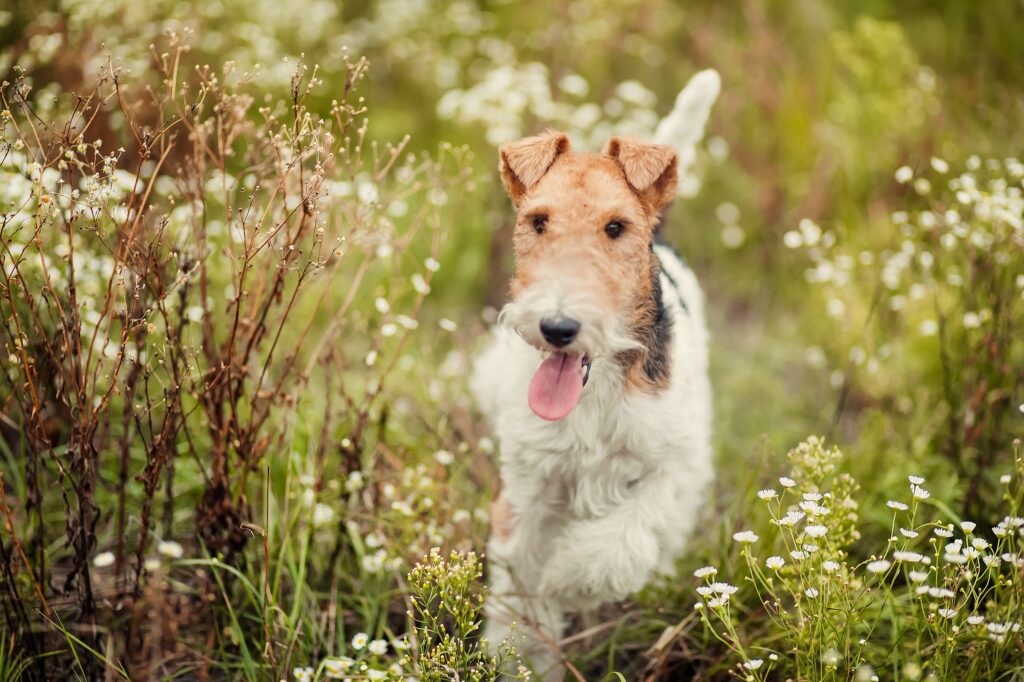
x: 516, y: 614
x: 605, y: 558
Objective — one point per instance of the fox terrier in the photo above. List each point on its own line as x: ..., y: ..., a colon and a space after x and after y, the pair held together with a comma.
x: 596, y: 384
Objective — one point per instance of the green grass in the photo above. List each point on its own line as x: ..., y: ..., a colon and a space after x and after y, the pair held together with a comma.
x: 294, y: 554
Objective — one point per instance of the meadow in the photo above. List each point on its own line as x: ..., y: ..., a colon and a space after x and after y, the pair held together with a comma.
x: 248, y: 253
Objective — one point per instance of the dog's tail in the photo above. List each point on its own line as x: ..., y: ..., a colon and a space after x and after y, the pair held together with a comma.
x: 683, y: 128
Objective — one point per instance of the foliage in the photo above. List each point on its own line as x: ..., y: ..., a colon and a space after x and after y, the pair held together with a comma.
x: 936, y: 600
x: 240, y: 288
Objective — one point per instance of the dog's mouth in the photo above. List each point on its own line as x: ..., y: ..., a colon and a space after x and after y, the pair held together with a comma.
x: 557, y: 385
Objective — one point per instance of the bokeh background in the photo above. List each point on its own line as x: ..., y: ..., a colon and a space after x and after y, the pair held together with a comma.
x: 808, y: 240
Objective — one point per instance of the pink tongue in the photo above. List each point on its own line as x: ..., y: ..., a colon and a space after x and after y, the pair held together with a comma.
x: 556, y: 387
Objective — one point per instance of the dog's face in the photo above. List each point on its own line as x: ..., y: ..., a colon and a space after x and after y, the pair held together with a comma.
x: 584, y: 262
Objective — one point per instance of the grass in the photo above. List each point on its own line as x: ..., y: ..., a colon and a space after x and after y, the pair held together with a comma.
x: 235, y: 426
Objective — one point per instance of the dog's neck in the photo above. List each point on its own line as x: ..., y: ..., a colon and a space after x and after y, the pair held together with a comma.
x: 648, y: 369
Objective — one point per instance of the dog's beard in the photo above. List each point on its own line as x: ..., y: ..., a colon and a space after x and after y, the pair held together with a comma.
x: 601, y: 335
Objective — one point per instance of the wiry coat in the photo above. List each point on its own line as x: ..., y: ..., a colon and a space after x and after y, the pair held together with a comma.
x: 595, y: 505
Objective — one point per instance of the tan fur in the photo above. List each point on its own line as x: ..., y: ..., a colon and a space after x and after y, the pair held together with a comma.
x: 501, y: 518
x: 580, y: 193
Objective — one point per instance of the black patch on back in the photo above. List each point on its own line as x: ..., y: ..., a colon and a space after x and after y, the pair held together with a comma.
x: 675, y: 285
x: 658, y: 336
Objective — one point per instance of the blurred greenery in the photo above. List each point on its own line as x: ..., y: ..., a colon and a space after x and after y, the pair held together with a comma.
x: 821, y: 102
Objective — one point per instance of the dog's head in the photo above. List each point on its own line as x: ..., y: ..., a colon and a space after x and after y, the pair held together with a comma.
x: 584, y: 258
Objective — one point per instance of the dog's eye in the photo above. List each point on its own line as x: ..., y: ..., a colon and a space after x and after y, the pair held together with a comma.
x: 614, y: 229
x: 539, y: 223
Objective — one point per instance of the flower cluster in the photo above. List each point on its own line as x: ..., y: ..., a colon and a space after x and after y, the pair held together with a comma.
x: 935, y: 584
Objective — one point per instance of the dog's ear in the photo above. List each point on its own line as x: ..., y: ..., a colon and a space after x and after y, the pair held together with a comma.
x: 525, y: 162
x: 650, y: 169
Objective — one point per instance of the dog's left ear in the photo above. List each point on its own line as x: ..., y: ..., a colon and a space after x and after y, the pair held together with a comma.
x: 651, y: 169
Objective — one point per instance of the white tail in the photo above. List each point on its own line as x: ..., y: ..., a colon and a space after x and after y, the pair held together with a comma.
x: 683, y: 128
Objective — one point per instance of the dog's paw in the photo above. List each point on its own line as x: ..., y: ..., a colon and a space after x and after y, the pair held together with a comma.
x: 582, y: 576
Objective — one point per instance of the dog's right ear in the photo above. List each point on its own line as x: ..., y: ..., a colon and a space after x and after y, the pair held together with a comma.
x: 525, y: 162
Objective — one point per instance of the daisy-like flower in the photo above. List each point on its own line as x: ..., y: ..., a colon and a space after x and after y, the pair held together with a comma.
x: 920, y: 493
x: 745, y: 536
x: 943, y: 532
x: 378, y: 647
x: 798, y: 555
x: 975, y: 619
x: 705, y: 591
x: 968, y: 526
x: 904, y: 174
x: 979, y: 543
x: 947, y: 613
x: 360, y: 640
x: 908, y: 533
x: 911, y: 557
x: 893, y: 504
x: 753, y: 664
x: 103, y: 559
x: 955, y: 558
x: 336, y: 667
x: 830, y: 566
x: 374, y: 674
x: 813, y: 497
x: 816, y: 531
x: 766, y: 494
x: 878, y: 566
x: 918, y: 576
x: 915, y: 480
x: 718, y: 601
x: 705, y: 572
x: 302, y: 674
x: 775, y: 562
x: 812, y: 593
x: 1005, y: 479
x: 791, y: 518
x: 724, y: 588
x: 170, y: 549
x: 787, y: 482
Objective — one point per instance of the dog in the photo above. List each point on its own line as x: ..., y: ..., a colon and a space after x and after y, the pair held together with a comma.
x: 595, y: 381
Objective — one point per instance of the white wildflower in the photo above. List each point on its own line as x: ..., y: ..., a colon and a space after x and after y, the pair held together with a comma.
x: 943, y: 532
x: 360, y: 640
x: 975, y: 619
x: 918, y: 576
x: 753, y: 664
x: 878, y: 566
x: 920, y: 493
x: 444, y: 457
x: 915, y: 480
x: 170, y: 549
x: 378, y: 647
x: 705, y: 572
x: 904, y: 174
x: 766, y: 494
x: 775, y: 562
x: 893, y: 504
x: 816, y: 531
x: 907, y: 556
x: 947, y: 612
x: 811, y: 592
x: 908, y: 533
x: 103, y: 559
x: 789, y: 482
x: 745, y: 536
x: 968, y: 526
x: 830, y: 566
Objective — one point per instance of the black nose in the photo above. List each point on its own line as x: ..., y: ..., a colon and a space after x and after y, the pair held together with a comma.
x: 559, y: 332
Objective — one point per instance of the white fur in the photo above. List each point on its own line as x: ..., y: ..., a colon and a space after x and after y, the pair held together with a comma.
x: 605, y: 499
x: 683, y: 128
